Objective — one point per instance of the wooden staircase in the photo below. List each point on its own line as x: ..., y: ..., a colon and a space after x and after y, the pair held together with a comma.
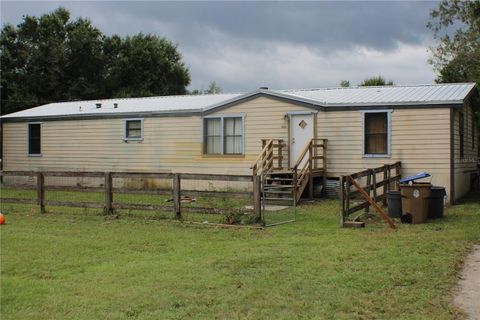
x: 284, y: 185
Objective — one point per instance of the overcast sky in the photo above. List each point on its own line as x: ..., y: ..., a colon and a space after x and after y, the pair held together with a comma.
x: 243, y: 46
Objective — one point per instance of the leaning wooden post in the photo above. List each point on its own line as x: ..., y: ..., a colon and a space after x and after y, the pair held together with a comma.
x: 176, y: 196
x: 108, y: 193
x: 41, y: 191
x: 341, y: 193
x: 257, y: 202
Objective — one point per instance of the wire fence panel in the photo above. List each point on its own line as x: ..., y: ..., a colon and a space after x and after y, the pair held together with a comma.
x: 187, y: 197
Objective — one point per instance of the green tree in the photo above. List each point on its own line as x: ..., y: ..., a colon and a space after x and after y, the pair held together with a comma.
x: 144, y: 65
x: 344, y: 83
x: 456, y: 58
x: 376, y: 81
x: 213, y: 88
x: 52, y: 58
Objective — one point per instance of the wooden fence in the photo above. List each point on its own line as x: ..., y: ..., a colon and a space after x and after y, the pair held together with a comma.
x: 359, y: 197
x: 109, y: 205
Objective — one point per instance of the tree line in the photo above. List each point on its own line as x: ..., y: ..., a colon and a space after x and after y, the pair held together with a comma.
x: 55, y: 58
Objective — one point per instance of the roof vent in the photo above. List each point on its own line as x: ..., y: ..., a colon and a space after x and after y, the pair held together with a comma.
x: 98, y: 105
x: 263, y: 88
x: 115, y: 105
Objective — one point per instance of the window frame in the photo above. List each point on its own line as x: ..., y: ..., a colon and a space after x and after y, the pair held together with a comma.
x: 28, y: 140
x: 222, y: 136
x: 389, y: 135
x: 125, y: 122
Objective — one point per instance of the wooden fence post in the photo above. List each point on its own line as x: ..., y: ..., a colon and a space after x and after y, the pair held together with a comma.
x: 324, y: 164
x: 341, y: 193
x: 347, y: 197
x: 41, y: 191
x: 108, y: 209
x: 257, y: 201
x: 176, y: 196
x: 385, y: 184
x: 310, y: 169
x: 368, y: 188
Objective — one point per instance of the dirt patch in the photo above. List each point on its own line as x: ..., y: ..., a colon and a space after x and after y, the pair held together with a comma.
x: 468, y: 294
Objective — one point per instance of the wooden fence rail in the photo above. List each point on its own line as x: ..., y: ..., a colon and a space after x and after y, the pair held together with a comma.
x: 347, y: 196
x: 109, y: 190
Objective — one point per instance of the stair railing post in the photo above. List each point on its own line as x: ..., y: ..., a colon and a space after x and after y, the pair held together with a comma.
x: 324, y: 165
x: 294, y: 189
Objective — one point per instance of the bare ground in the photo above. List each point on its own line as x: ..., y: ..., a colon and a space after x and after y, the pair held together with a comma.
x: 468, y: 295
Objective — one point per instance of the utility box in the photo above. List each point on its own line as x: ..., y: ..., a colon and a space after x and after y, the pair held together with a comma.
x: 415, y: 200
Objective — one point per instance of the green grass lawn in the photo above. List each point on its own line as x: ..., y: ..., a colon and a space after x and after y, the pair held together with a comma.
x: 65, y: 265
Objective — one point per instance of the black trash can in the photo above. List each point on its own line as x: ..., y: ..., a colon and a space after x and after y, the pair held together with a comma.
x: 394, y: 202
x: 435, y: 202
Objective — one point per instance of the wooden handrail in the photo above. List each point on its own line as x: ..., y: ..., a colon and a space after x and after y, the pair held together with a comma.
x: 265, y: 160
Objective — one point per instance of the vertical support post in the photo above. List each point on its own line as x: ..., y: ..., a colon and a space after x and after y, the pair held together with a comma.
x: 386, y: 183
x: 368, y: 188
x: 398, y: 171
x: 108, y: 208
x: 257, y: 202
x: 324, y: 153
x: 347, y: 196
x: 341, y: 192
x: 374, y: 185
x: 41, y: 191
x: 294, y: 187
x: 310, y: 170
x: 280, y: 155
x: 176, y: 196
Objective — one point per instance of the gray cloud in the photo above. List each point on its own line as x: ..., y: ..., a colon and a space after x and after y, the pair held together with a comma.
x: 280, y: 44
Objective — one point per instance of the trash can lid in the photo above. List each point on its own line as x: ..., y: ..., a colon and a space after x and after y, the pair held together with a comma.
x: 418, y: 176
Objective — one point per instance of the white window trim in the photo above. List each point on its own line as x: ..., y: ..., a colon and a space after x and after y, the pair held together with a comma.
x: 222, y: 141
x: 389, y: 135
x: 125, y: 138
x: 34, y: 155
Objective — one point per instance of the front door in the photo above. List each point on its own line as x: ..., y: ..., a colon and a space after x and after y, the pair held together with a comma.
x: 301, y: 132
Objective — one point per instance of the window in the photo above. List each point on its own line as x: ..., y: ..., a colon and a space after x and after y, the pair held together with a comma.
x: 133, y: 129
x: 461, y: 131
x: 213, y: 136
x: 34, y: 139
x: 376, y: 133
x: 223, y: 135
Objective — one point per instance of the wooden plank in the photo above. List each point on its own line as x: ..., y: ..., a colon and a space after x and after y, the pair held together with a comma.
x: 154, y: 207
x: 363, y: 205
x: 72, y: 174
x: 41, y: 191
x: 18, y: 173
x: 96, y: 205
x: 18, y: 200
x: 108, y: 193
x: 373, y: 203
x: 217, y: 177
x: 159, y: 175
x: 177, y: 203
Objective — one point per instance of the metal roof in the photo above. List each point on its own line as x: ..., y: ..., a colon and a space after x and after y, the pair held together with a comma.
x: 431, y: 94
